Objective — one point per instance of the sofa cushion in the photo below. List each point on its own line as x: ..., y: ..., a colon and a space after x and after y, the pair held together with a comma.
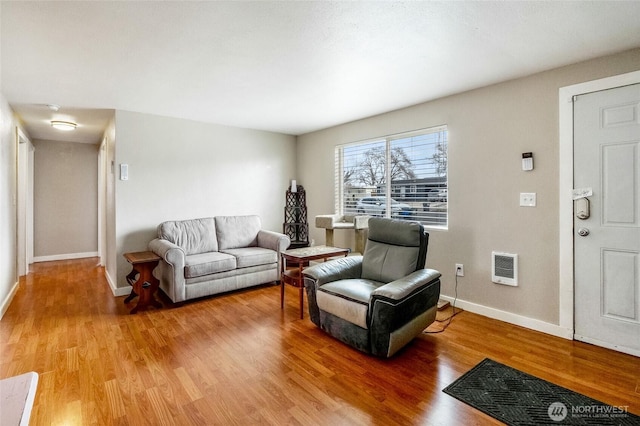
x: 234, y: 273
x: 237, y: 231
x: 347, y: 299
x: 193, y: 236
x: 197, y: 265
x: 253, y: 256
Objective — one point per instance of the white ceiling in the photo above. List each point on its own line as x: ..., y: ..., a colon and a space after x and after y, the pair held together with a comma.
x: 290, y: 67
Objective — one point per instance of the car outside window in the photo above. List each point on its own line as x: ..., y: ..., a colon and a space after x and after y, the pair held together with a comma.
x: 402, y: 176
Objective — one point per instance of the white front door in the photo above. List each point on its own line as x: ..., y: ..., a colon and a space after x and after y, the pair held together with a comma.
x: 607, y: 242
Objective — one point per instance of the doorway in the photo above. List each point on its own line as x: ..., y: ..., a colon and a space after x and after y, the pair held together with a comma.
x: 568, y: 260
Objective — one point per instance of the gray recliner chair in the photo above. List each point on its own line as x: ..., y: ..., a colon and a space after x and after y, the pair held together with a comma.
x: 380, y: 301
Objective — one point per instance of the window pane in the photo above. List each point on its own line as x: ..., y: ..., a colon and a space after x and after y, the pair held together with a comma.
x: 419, y: 177
x: 363, y: 171
x: 403, y: 177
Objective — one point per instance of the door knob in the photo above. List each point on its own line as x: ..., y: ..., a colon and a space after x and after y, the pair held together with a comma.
x: 583, y: 232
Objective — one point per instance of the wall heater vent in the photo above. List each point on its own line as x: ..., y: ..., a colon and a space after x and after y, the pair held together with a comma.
x: 504, y: 268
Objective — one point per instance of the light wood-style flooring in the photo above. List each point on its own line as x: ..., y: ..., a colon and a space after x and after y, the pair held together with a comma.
x: 239, y: 359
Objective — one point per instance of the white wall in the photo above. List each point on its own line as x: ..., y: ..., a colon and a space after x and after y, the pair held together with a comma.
x: 65, y: 200
x: 489, y: 129
x: 181, y: 169
x: 109, y: 256
x: 8, y: 224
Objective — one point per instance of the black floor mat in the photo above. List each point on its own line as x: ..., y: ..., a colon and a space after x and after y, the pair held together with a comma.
x: 517, y: 398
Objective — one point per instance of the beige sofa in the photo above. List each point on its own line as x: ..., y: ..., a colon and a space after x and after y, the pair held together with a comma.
x: 202, y: 257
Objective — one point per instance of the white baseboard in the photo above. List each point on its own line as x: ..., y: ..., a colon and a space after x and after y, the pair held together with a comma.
x: 122, y: 291
x: 7, y: 300
x: 117, y: 291
x: 511, y: 318
x: 69, y: 256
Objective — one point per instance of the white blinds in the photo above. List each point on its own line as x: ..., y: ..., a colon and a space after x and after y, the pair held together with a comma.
x: 401, y: 176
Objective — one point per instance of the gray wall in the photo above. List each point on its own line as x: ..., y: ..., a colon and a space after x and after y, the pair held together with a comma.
x: 65, y: 199
x: 181, y: 169
x: 489, y: 129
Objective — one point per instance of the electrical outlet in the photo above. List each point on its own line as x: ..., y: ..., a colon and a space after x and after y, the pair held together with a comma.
x: 527, y: 199
x: 460, y: 269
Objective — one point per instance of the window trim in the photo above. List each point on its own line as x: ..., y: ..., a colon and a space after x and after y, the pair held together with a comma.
x: 339, y: 194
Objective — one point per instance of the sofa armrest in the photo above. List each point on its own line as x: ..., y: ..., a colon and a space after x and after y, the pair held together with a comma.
x: 400, y: 310
x: 333, y: 270
x: 171, y: 268
x: 399, y: 289
x: 169, y: 252
x: 326, y: 272
x: 273, y: 240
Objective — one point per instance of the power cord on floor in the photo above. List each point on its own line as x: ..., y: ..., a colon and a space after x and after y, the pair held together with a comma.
x: 453, y: 314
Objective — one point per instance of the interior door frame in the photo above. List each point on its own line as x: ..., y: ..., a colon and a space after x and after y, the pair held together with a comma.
x: 565, y: 109
x: 24, y: 202
x: 102, y: 201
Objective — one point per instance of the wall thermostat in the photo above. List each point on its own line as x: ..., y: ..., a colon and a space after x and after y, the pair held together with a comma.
x: 527, y: 161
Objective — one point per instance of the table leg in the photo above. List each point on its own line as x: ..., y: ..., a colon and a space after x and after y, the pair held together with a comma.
x: 281, y: 294
x: 131, y: 296
x: 131, y: 279
x: 301, y: 290
x: 145, y: 287
x: 283, y: 268
x: 301, y: 302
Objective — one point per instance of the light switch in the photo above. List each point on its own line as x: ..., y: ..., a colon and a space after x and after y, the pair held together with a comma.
x: 124, y: 172
x: 527, y: 199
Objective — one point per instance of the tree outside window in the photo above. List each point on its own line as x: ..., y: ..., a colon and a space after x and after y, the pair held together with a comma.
x: 401, y: 176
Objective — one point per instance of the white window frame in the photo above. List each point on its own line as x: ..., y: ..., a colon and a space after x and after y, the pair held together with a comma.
x: 432, y: 220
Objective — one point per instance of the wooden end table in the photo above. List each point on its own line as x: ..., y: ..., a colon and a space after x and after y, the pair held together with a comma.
x: 143, y: 262
x: 300, y: 258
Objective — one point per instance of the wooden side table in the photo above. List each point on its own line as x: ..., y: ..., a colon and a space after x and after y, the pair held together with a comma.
x: 146, y: 285
x: 301, y: 257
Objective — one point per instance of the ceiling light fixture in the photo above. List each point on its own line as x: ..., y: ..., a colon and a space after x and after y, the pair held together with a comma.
x: 63, y: 125
x: 53, y: 107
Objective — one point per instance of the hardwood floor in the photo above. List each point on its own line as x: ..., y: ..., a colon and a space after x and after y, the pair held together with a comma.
x: 239, y: 359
